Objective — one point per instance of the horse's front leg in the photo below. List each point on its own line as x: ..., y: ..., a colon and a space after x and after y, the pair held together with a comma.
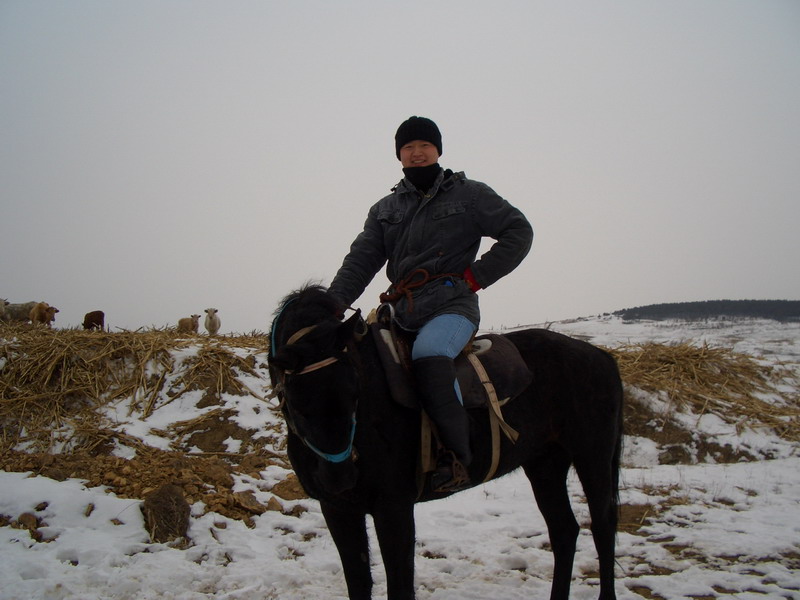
x: 394, y: 526
x: 349, y: 532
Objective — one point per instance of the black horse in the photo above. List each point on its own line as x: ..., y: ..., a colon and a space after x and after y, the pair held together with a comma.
x: 356, y: 451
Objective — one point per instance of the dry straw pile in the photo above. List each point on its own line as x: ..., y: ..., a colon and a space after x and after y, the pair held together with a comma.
x: 705, y: 379
x: 54, y: 380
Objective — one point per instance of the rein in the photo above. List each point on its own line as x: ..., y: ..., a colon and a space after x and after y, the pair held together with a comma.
x: 405, y: 287
x: 314, y: 366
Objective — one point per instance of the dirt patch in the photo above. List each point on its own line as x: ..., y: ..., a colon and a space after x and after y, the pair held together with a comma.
x: 632, y: 517
x: 212, y: 432
x: 677, y: 444
x: 289, y: 488
x: 209, y: 479
x: 646, y: 592
x: 166, y: 514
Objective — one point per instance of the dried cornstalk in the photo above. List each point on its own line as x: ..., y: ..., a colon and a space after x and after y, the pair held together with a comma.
x: 713, y: 380
x: 53, y: 380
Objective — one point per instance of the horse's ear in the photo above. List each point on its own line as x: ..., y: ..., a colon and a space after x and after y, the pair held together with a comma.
x: 353, y: 327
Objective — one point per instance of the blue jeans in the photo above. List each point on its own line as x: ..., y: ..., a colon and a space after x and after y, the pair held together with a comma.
x: 445, y: 335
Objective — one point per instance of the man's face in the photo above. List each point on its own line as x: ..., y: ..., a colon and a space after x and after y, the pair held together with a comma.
x: 418, y: 153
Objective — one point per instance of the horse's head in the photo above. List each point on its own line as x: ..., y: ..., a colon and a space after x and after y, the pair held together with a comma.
x: 311, y: 365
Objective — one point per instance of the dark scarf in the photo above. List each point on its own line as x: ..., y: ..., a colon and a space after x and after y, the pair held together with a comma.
x: 422, y: 177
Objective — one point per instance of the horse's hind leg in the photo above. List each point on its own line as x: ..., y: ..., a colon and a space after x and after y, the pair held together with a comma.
x: 349, y: 532
x: 548, y: 476
x: 600, y: 479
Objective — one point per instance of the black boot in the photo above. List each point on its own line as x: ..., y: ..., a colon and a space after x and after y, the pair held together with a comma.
x: 436, y: 378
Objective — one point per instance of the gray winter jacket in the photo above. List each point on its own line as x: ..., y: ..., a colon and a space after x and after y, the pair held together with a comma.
x: 439, y: 232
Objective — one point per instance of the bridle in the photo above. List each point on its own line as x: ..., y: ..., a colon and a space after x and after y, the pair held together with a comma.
x: 279, y: 390
x: 314, y: 366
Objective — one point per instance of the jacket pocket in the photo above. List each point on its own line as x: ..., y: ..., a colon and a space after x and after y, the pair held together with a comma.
x: 390, y: 216
x: 448, y: 210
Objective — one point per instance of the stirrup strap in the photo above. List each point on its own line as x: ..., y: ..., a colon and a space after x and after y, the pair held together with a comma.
x: 496, y: 420
x: 495, y: 415
x: 426, y: 443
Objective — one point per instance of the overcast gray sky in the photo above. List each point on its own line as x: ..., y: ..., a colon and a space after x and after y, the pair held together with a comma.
x: 159, y: 157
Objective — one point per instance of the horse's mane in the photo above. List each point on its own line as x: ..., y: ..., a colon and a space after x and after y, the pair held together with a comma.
x: 312, y: 296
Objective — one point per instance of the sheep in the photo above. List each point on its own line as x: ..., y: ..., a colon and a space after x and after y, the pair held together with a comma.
x: 3, y: 304
x: 19, y: 312
x: 43, y: 313
x: 189, y: 324
x: 94, y: 320
x: 212, y: 322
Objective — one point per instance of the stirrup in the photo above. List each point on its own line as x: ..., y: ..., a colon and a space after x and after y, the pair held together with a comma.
x: 450, y: 475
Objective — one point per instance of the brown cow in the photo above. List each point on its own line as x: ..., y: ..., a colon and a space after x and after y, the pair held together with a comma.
x: 94, y: 320
x: 43, y: 313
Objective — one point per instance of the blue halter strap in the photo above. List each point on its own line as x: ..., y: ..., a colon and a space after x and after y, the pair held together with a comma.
x: 343, y: 455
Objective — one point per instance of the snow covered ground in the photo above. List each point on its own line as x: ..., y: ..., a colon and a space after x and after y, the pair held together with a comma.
x: 708, y: 530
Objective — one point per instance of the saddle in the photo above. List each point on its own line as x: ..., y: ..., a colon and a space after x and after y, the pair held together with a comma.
x: 490, y: 373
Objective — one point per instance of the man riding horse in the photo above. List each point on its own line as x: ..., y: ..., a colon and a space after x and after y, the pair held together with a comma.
x: 429, y: 230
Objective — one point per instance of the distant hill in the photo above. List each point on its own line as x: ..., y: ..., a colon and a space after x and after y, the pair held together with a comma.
x: 778, y: 310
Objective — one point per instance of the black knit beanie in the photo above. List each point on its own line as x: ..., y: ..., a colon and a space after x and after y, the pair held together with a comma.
x: 417, y: 128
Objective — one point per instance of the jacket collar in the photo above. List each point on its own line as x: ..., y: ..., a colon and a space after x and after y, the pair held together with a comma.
x: 445, y: 180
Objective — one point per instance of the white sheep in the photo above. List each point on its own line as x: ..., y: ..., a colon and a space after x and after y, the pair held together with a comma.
x: 212, y: 322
